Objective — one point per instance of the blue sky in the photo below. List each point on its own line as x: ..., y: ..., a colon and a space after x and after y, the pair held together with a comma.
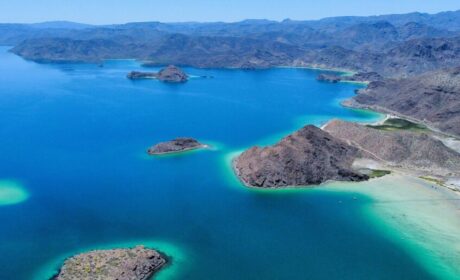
x: 120, y: 11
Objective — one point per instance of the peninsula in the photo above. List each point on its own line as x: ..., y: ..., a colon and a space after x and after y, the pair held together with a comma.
x: 312, y: 156
x: 138, y: 263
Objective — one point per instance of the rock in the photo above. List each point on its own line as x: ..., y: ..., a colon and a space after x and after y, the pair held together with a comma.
x: 175, y: 146
x: 136, y: 75
x: 358, y: 77
x: 309, y: 156
x: 138, y: 263
x: 365, y: 77
x: 329, y: 78
x: 171, y: 74
x: 399, y: 148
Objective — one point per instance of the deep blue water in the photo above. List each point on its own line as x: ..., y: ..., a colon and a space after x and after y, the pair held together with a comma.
x: 75, y: 137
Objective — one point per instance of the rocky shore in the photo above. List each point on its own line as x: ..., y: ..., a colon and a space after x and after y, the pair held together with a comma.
x: 362, y: 77
x: 175, y: 146
x: 312, y: 156
x: 309, y: 156
x: 138, y: 263
x: 171, y: 74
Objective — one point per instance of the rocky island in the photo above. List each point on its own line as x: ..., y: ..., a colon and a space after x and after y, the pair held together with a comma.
x: 175, y: 146
x: 138, y: 263
x: 309, y: 156
x: 170, y: 74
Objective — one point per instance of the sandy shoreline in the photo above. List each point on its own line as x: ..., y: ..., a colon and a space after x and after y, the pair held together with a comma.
x: 422, y: 217
x: 419, y: 216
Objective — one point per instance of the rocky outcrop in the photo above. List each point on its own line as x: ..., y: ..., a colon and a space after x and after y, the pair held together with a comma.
x: 398, y: 148
x: 432, y: 98
x: 329, y: 78
x: 175, y: 146
x: 138, y: 263
x: 364, y: 77
x: 312, y: 156
x: 171, y: 74
x: 358, y: 77
x: 136, y: 75
x: 309, y: 156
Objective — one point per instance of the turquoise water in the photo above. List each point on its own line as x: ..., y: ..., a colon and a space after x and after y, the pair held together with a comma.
x: 75, y: 136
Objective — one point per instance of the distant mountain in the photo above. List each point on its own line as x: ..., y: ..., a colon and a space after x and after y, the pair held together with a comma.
x: 61, y: 25
x: 444, y: 20
x: 393, y: 45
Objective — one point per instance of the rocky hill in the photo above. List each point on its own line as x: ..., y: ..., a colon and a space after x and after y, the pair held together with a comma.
x: 399, y: 148
x: 309, y: 156
x: 124, y: 264
x: 393, y: 46
x: 432, y: 98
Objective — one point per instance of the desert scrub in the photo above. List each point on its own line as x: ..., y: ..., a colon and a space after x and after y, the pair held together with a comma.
x: 399, y: 124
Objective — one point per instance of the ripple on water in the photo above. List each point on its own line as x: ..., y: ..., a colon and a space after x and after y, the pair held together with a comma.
x: 12, y: 192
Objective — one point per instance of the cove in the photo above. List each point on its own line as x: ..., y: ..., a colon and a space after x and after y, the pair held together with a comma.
x: 77, y: 134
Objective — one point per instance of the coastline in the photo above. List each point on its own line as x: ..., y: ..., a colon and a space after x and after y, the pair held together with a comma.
x: 407, y: 210
x: 405, y: 207
x: 350, y: 103
x: 343, y: 72
x: 144, y: 63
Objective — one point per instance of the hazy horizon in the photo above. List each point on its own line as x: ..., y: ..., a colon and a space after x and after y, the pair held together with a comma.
x: 216, y: 21
x: 87, y: 12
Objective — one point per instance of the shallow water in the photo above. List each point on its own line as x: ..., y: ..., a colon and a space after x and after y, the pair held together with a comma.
x: 75, y: 137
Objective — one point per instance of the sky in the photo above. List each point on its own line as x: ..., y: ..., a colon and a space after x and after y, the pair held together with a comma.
x: 122, y: 11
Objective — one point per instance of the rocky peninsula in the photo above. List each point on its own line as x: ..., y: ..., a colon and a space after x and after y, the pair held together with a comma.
x: 309, y: 156
x: 138, y: 263
x: 175, y: 146
x: 312, y: 156
x: 170, y: 74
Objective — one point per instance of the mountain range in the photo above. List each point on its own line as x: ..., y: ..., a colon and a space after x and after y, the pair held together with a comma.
x: 393, y: 45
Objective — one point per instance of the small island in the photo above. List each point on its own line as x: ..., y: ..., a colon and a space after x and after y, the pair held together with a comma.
x: 170, y: 74
x: 137, y: 263
x: 177, y: 145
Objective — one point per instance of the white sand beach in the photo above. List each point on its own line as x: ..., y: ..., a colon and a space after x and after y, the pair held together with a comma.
x: 423, y: 217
